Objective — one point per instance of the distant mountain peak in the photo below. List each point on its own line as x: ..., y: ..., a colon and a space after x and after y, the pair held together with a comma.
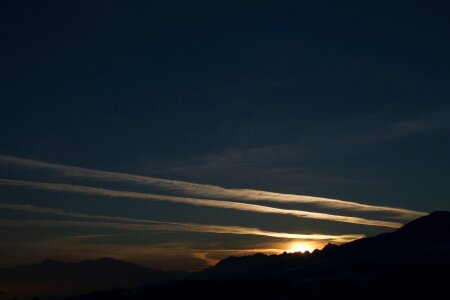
x: 66, y: 278
x: 106, y: 260
x: 51, y: 262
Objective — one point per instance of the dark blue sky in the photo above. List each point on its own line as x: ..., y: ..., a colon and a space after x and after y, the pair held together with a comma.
x: 338, y: 99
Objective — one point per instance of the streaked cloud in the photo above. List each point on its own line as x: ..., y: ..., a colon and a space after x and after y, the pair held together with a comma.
x: 197, y: 202
x: 212, y: 191
x: 152, y: 225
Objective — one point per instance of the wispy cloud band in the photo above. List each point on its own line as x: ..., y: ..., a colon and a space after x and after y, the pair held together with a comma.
x: 142, y: 224
x: 209, y: 191
x: 197, y: 202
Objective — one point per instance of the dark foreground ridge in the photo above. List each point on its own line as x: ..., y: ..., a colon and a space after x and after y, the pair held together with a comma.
x: 409, y: 263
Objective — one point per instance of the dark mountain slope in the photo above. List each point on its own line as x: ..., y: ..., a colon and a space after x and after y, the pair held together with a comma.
x: 410, y: 263
x: 431, y: 229
x: 58, y: 278
x: 428, y: 235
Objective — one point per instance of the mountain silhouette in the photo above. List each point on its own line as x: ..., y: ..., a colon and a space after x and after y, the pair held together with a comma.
x: 428, y: 235
x: 55, y: 278
x: 409, y: 263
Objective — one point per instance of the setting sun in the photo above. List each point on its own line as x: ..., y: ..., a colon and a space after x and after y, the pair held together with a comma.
x: 301, y: 247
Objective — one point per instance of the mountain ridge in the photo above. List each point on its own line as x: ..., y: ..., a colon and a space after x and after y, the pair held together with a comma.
x: 67, y: 278
x: 404, y: 263
x: 421, y: 236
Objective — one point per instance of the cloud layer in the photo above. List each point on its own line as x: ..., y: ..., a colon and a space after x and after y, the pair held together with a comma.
x: 210, y: 191
x: 197, y: 202
x: 152, y: 225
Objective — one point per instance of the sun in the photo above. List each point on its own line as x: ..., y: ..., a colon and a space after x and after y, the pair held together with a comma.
x: 301, y: 247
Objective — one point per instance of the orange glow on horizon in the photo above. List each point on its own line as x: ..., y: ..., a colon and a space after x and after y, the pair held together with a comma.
x: 303, y: 247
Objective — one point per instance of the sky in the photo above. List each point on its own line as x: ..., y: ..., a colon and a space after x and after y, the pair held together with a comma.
x: 177, y: 133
